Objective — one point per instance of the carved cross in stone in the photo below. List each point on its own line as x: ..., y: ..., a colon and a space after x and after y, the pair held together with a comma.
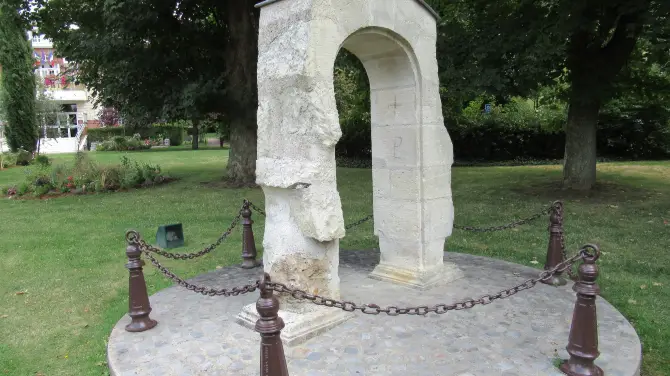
x: 395, y: 105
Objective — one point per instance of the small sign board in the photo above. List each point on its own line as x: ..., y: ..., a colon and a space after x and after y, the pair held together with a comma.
x: 94, y: 145
x: 170, y: 236
x: 487, y: 108
x: 166, y: 142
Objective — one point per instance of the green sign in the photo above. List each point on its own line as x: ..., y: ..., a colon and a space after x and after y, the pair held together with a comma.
x: 170, y: 236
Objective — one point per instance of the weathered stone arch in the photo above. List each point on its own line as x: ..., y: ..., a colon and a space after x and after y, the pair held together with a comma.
x: 298, y: 129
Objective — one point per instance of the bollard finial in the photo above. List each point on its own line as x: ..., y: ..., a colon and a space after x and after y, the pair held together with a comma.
x: 249, y: 252
x: 138, y: 298
x: 583, y: 339
x: 269, y: 325
x: 555, y: 247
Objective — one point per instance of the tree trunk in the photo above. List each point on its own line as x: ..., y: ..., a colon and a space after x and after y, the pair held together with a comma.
x: 579, y: 170
x: 196, y: 135
x: 241, y: 168
x: 241, y: 63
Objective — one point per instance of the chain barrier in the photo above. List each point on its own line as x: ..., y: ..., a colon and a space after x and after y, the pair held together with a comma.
x: 134, y: 238
x: 374, y: 309
x: 255, y: 208
x: 235, y: 291
x: 518, y: 223
x: 371, y: 309
x: 359, y: 222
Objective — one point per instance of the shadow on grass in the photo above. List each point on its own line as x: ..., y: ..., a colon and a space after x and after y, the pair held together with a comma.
x: 604, y: 192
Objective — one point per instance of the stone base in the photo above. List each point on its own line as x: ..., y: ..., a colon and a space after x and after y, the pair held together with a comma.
x: 412, y: 278
x: 525, y: 334
x: 300, y: 327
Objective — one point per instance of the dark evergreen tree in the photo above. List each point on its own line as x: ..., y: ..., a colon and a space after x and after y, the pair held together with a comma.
x: 18, y: 79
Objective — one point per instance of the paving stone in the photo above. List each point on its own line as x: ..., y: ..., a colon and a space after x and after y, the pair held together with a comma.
x: 197, y: 335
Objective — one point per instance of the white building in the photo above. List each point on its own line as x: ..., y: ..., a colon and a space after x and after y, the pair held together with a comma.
x: 65, y: 132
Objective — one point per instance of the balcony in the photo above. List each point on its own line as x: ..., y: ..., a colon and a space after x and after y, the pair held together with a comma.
x: 39, y: 41
x: 68, y: 92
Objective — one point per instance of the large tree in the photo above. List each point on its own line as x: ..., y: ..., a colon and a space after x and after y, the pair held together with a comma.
x: 18, y: 80
x: 167, y: 59
x: 513, y: 47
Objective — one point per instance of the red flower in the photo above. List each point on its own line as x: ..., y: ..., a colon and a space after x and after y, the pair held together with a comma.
x: 70, y: 178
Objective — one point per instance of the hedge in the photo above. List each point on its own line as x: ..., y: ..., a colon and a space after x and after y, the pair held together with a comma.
x: 174, y: 131
x: 641, y: 132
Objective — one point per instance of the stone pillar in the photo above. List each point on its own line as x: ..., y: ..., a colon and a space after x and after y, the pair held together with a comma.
x: 300, y: 261
x: 298, y: 129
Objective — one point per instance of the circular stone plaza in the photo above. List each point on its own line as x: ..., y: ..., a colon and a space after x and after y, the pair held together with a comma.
x: 525, y: 334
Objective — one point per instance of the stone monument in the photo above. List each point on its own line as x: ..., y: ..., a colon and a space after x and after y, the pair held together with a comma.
x: 298, y: 129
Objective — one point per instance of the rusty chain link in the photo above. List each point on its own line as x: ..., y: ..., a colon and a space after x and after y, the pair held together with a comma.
x: 256, y: 208
x: 134, y: 238
x: 359, y: 222
x: 235, y: 291
x: 374, y: 309
x: 518, y: 223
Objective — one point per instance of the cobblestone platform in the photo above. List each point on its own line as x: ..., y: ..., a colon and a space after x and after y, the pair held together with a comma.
x: 522, y: 335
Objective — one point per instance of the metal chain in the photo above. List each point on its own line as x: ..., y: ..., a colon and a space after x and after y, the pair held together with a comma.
x: 359, y: 222
x: 146, y: 247
x: 347, y: 227
x: 235, y: 291
x: 374, y: 309
x: 520, y: 222
x: 256, y: 208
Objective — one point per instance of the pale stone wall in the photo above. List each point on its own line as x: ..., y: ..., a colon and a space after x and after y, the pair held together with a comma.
x: 298, y: 129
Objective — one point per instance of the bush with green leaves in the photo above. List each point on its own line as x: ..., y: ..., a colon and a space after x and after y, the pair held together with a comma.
x: 520, y: 130
x: 121, y: 143
x: 175, y: 131
x: 20, y: 158
x: 86, y: 176
x: 42, y: 160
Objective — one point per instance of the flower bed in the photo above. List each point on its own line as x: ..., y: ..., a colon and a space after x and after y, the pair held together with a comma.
x: 85, y: 176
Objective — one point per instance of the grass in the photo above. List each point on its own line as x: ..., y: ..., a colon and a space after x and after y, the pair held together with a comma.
x: 63, y: 284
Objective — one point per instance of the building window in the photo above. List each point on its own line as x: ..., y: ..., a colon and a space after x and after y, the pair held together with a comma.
x: 69, y: 108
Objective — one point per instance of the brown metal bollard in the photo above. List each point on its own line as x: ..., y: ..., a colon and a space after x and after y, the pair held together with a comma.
x: 248, y: 243
x: 269, y: 325
x: 138, y: 298
x: 555, y: 248
x: 583, y: 340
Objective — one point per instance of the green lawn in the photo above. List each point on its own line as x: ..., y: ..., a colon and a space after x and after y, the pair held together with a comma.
x: 63, y: 284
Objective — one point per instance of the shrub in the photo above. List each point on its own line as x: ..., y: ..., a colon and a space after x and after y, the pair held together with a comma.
x: 42, y: 160
x: 518, y: 131
x: 120, y: 143
x: 23, y: 157
x: 103, y: 134
x: 175, y: 131
x: 8, y: 160
x: 86, y: 176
